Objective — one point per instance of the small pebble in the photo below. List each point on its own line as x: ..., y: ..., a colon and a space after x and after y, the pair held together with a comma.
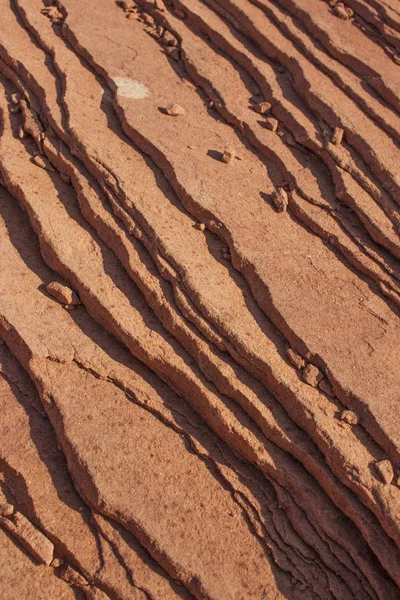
x: 262, y: 107
x: 337, y: 136
x: 271, y: 123
x: 349, y: 417
x: 172, y: 52
x: 148, y: 20
x: 326, y: 387
x: 295, y: 358
x: 53, y: 14
x: 175, y: 110
x: 57, y: 562
x: 385, y: 470
x: 159, y: 5
x: 62, y: 293
x: 312, y: 375
x: 15, y: 98
x: 169, y: 39
x: 280, y: 200
x: 341, y: 11
x: 228, y: 155
x: 180, y: 14
x: 127, y: 4
x: 6, y: 510
x: 200, y: 226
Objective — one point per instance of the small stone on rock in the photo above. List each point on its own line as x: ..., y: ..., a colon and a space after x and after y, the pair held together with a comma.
x: 15, y: 98
x: 53, y: 14
x: 341, y: 11
x: 169, y: 39
x: 62, y: 293
x: 127, y: 4
x: 312, y: 375
x: 228, y: 155
x: 295, y: 358
x: 280, y: 200
x: 57, y: 562
x: 200, y: 226
x: 349, y: 417
x: 326, y: 387
x: 271, y: 123
x: 385, y: 470
x: 148, y: 19
x: 6, y: 510
x: 175, y: 110
x: 159, y: 5
x: 180, y: 14
x: 262, y: 107
x: 337, y: 136
x: 172, y: 52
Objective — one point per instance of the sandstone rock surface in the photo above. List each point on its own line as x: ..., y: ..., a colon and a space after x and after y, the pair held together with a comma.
x: 219, y: 419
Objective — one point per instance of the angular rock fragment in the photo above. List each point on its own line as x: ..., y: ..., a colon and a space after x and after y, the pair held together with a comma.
x: 312, y: 375
x: 62, y: 293
x: 126, y: 5
x: 340, y: 10
x: 159, y: 5
x: 175, y: 110
x: 6, y: 510
x: 349, y: 417
x: 280, y: 200
x: 385, y: 470
x: 295, y: 358
x: 200, y: 226
x: 57, y: 562
x: 180, y: 13
x: 15, y: 98
x: 228, y: 155
x: 148, y: 19
x: 169, y: 39
x: 271, y: 123
x: 262, y: 107
x: 31, y: 122
x: 53, y: 13
x: 172, y: 52
x: 326, y: 387
x: 337, y: 136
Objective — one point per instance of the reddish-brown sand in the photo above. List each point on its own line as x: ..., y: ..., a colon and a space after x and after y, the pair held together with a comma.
x: 199, y: 299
